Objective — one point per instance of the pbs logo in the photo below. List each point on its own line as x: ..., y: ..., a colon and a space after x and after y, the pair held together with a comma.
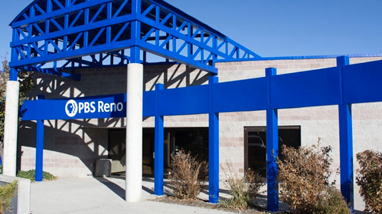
x: 71, y: 108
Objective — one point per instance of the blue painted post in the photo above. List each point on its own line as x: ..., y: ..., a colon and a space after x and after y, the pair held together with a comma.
x: 213, y: 156
x: 135, y: 54
x: 14, y: 56
x: 346, y: 144
x: 13, y: 75
x: 272, y: 149
x: 158, y: 147
x: 39, y: 146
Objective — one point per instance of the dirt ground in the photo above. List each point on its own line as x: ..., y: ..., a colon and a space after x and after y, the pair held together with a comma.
x: 200, y: 203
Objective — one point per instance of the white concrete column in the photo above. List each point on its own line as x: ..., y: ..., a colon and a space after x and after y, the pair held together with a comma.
x: 134, y: 104
x: 11, y: 128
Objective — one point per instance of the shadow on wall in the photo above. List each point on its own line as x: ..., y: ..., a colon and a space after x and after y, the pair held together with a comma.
x: 67, y: 146
x: 104, y: 81
x: 79, y: 143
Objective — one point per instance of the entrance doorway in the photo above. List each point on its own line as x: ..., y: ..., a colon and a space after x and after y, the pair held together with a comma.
x: 194, y: 140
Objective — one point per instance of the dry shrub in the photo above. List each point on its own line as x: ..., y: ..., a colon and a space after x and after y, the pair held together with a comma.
x: 330, y: 202
x: 304, y: 181
x: 184, y: 175
x: 242, y: 188
x: 369, y: 179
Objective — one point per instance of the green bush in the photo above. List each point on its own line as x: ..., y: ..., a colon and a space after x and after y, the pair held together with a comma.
x: 304, y: 181
x: 242, y: 188
x: 31, y: 175
x: 369, y: 179
x: 6, y: 194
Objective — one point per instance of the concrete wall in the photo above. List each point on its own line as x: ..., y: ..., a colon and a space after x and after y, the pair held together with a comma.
x: 20, y: 203
x: 71, y: 147
x: 315, y: 122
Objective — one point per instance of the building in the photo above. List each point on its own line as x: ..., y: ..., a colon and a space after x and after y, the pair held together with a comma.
x: 72, y: 147
x: 94, y: 51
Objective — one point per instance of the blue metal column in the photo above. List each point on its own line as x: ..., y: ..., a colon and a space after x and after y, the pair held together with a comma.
x: 272, y: 149
x: 13, y: 74
x: 39, y: 146
x: 135, y: 51
x: 346, y: 143
x: 159, y: 144
x: 213, y: 163
x: 13, y: 71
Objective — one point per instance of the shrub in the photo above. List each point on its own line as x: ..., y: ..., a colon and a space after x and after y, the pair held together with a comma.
x: 330, y: 202
x: 6, y: 194
x: 184, y: 175
x: 369, y: 179
x: 242, y: 188
x: 304, y: 181
x: 31, y: 175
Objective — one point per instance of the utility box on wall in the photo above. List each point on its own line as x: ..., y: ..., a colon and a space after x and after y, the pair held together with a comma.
x: 103, y: 168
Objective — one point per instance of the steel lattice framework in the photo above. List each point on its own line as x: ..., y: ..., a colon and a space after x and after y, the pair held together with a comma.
x: 57, y: 36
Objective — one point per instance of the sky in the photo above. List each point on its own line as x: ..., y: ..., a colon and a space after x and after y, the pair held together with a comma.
x: 271, y: 28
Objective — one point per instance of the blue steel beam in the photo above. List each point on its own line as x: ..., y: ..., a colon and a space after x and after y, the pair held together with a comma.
x: 272, y: 147
x: 233, y: 96
x: 39, y: 145
x: 77, y: 29
x: 17, y: 22
x: 159, y: 146
x: 53, y: 30
x: 74, y: 53
x: 213, y: 147
x: 346, y: 142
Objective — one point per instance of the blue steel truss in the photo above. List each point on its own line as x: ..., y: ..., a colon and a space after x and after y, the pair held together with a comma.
x: 56, y: 36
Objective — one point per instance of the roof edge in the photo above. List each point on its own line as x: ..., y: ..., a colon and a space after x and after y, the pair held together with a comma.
x: 25, y: 9
x: 304, y: 57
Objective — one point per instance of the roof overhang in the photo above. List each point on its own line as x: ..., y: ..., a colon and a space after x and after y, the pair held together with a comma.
x: 66, y: 34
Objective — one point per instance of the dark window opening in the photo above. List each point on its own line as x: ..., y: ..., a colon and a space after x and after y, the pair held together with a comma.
x: 255, y: 144
x: 194, y: 140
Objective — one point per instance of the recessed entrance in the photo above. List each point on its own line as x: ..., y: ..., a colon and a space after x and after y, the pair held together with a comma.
x: 194, y: 140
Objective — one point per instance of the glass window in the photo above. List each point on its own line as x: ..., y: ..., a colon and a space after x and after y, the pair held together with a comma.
x: 255, y: 144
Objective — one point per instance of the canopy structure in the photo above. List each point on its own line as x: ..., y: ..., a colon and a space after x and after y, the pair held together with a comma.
x: 95, y: 33
x: 58, y: 36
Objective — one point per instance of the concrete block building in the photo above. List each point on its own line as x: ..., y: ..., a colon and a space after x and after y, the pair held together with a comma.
x: 85, y: 49
x: 72, y: 147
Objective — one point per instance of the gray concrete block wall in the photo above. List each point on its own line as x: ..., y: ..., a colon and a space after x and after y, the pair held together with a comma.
x: 316, y: 122
x: 87, y: 139
x: 70, y: 150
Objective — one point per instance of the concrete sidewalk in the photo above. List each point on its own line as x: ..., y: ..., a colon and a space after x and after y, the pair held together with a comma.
x: 106, y: 196
x: 99, y: 196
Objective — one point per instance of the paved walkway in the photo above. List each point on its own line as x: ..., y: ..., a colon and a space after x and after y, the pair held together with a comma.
x: 99, y: 195
x: 106, y: 196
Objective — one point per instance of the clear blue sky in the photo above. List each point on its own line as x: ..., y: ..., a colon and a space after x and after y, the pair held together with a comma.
x: 273, y: 28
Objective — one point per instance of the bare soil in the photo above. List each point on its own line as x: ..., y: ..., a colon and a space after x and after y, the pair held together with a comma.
x: 204, y: 204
